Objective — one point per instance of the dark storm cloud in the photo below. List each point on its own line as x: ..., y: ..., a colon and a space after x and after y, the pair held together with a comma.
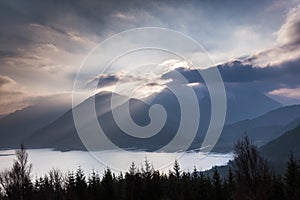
x: 247, y: 75
x: 104, y: 80
x: 239, y: 72
x: 107, y: 80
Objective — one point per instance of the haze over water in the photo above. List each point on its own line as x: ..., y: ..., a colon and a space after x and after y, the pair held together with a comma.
x: 44, y: 160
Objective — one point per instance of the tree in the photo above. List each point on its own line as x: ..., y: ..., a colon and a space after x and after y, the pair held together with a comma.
x: 70, y: 185
x: 147, y: 175
x: 176, y: 169
x: 94, y: 186
x: 132, y: 169
x: 292, y: 179
x: 80, y: 183
x: 56, y: 180
x: 16, y: 182
x: 277, y: 188
x: 229, y: 184
x: 251, y: 171
x: 107, y: 185
x: 217, y: 184
x: 174, y: 186
x: 147, y: 170
x: 45, y: 189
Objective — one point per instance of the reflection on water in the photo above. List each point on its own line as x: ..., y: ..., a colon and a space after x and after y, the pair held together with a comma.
x: 44, y: 160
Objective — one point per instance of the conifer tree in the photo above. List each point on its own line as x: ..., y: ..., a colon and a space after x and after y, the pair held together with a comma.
x: 107, y: 185
x: 176, y: 169
x: 217, y: 185
x: 80, y: 183
x: 292, y: 179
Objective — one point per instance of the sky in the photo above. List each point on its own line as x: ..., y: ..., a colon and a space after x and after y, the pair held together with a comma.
x: 255, y: 44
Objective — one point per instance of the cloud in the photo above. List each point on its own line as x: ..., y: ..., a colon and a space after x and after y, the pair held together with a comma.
x: 123, y: 16
x: 43, y: 43
x: 5, y: 54
x: 287, y: 92
x: 287, y: 95
x: 11, y: 95
x: 105, y: 80
x: 153, y: 76
x: 274, y: 71
x: 289, y: 33
x: 172, y: 64
x: 108, y: 79
x: 62, y: 99
x: 14, y: 96
x: 64, y: 38
x: 239, y: 72
x: 280, y: 82
x: 5, y: 80
x: 289, y: 43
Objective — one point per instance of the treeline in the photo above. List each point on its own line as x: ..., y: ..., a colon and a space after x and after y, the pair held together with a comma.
x: 249, y: 177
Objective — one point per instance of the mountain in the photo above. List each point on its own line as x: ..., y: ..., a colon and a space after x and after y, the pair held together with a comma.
x: 280, y: 148
x: 17, y: 126
x: 247, y: 104
x: 62, y: 134
x: 242, y: 106
x: 261, y: 130
x: 242, y: 102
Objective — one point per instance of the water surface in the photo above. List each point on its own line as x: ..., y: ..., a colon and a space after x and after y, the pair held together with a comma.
x: 44, y: 160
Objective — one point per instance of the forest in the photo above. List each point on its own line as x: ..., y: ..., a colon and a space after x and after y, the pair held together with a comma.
x: 249, y: 177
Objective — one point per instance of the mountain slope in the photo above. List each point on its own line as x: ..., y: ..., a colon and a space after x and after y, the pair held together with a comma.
x: 261, y: 129
x: 247, y: 104
x: 62, y: 134
x: 17, y: 126
x: 241, y: 104
x: 281, y: 148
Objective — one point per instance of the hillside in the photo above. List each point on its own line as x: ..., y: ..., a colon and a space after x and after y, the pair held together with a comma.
x: 262, y: 129
x: 19, y: 125
x: 281, y: 148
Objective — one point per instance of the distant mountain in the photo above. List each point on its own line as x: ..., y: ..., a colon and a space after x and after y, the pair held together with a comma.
x: 241, y: 104
x: 261, y: 130
x: 61, y: 134
x: 17, y: 126
x: 280, y: 149
x: 247, y: 104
